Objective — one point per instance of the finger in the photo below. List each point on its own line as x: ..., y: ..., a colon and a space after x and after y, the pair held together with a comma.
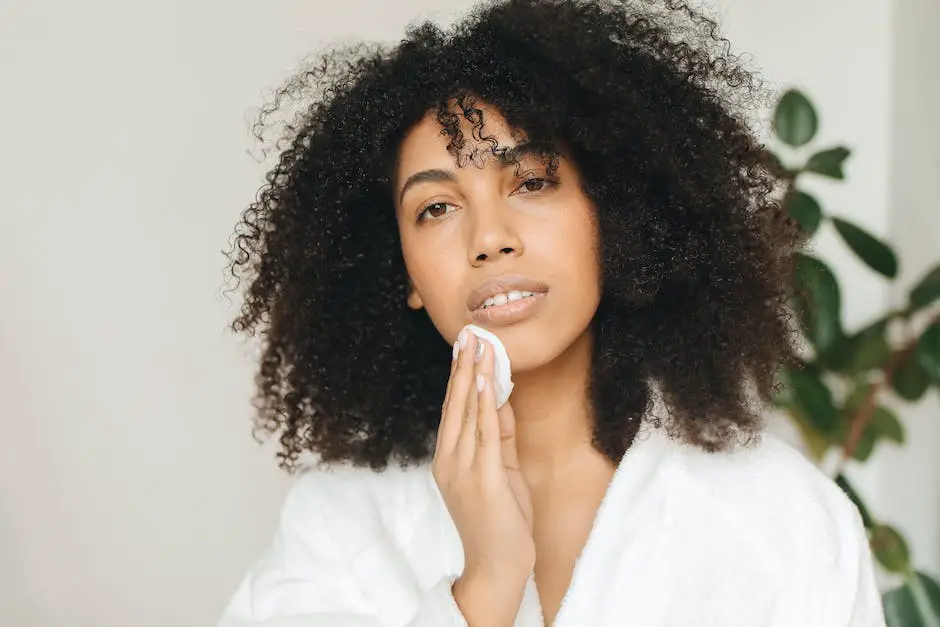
x: 454, y: 411
x: 447, y: 391
x: 489, y: 448
x: 507, y: 436
x: 467, y: 442
x: 455, y: 353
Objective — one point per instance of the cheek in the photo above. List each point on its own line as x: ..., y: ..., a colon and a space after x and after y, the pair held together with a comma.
x: 433, y: 267
x: 576, y: 247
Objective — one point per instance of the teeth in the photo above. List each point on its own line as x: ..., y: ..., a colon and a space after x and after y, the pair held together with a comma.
x: 502, y: 299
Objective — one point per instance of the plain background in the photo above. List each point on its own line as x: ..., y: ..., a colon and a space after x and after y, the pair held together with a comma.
x: 131, y: 491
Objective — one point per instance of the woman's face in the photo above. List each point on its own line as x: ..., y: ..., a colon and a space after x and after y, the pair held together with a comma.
x: 463, y: 229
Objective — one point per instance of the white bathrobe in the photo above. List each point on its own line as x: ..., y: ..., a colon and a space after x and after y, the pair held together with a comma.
x: 683, y: 538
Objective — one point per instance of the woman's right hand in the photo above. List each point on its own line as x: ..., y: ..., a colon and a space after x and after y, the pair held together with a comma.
x: 477, y: 471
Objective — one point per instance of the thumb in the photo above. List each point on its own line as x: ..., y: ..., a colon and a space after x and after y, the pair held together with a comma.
x: 507, y: 436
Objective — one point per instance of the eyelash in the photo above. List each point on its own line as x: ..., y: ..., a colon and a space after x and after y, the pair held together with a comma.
x: 549, y: 182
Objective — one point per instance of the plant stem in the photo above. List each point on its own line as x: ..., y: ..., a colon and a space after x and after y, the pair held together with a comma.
x: 867, y: 408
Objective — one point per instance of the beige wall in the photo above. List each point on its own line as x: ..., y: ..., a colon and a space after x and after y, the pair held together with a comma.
x: 131, y: 492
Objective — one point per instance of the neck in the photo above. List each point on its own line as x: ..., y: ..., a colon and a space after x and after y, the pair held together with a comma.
x: 553, y: 417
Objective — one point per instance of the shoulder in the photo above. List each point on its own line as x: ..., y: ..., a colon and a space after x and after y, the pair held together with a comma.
x: 767, y: 513
x: 765, y: 476
x: 770, y: 493
x: 351, y: 506
x: 766, y: 482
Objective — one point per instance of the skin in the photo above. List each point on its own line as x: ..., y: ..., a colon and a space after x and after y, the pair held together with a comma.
x: 479, y: 222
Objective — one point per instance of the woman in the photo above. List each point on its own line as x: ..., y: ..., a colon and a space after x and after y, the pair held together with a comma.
x: 576, y: 178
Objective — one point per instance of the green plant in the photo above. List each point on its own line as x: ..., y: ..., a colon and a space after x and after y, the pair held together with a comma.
x: 837, y: 394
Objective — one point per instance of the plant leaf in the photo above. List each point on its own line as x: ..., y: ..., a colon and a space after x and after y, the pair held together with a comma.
x: 806, y: 211
x: 890, y: 549
x: 865, y: 350
x: 813, y: 397
x: 914, y: 604
x: 875, y: 253
x: 818, y: 302
x: 865, y: 446
x: 839, y: 354
x: 855, y: 399
x: 927, y: 289
x: 828, y: 162
x: 910, y: 380
x: 795, y: 119
x: 815, y: 440
x: 928, y: 351
x: 843, y: 483
x: 886, y: 423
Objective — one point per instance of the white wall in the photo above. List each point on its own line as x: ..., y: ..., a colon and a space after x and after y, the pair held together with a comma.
x: 130, y: 490
x: 870, y: 68
x: 911, y: 476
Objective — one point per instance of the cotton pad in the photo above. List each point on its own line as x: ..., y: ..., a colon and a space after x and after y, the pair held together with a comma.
x: 502, y: 377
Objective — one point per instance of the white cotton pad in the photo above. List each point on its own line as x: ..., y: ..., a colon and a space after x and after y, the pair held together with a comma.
x: 502, y: 377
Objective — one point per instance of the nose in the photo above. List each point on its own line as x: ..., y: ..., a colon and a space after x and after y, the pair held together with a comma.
x: 493, y: 233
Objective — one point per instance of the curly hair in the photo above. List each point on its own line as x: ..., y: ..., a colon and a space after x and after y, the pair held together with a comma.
x: 695, y: 249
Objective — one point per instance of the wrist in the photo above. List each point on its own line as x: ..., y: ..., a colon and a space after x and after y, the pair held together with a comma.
x: 496, y: 575
x: 487, y: 601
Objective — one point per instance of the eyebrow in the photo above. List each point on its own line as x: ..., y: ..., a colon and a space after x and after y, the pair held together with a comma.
x: 506, y: 157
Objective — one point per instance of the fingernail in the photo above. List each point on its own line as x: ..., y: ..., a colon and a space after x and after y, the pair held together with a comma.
x: 480, y: 382
x: 478, y: 353
x: 462, y: 338
x: 456, y: 349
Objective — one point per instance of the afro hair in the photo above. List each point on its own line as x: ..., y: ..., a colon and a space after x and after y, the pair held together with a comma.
x: 696, y: 251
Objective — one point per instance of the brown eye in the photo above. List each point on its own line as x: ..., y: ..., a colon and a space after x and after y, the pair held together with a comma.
x: 535, y: 185
x: 434, y: 210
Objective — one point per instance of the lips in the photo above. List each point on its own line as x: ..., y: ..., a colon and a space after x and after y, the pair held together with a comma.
x: 503, y: 284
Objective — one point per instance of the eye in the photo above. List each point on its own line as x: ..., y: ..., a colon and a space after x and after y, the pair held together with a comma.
x: 438, y: 208
x: 537, y: 184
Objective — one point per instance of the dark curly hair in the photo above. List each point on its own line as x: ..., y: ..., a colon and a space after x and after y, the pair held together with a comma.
x: 695, y: 249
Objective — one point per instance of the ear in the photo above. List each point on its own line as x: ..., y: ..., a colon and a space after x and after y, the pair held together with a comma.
x: 414, y: 299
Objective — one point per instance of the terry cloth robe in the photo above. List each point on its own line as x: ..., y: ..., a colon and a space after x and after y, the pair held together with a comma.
x: 683, y: 538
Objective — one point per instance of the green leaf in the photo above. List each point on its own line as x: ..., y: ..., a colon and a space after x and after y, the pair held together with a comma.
x: 881, y: 424
x: 928, y: 351
x: 927, y: 289
x: 843, y: 483
x: 817, y: 442
x: 812, y: 396
x: 865, y: 350
x: 875, y: 253
x: 795, y: 119
x: 865, y: 446
x: 818, y: 302
x: 910, y: 380
x: 855, y: 399
x: 914, y: 604
x: 885, y: 423
x: 890, y: 549
x: 828, y: 162
x: 806, y: 211
x: 839, y: 354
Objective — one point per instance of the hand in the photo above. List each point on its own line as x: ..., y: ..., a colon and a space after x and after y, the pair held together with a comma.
x: 477, y: 471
